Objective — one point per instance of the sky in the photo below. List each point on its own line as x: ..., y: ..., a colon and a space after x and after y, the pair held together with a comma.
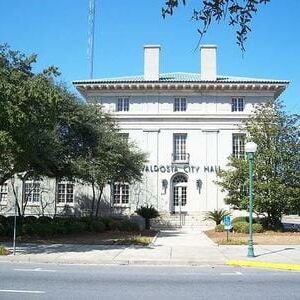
x: 57, y: 31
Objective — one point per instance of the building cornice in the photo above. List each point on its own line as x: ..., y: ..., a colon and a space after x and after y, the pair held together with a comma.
x: 274, y: 86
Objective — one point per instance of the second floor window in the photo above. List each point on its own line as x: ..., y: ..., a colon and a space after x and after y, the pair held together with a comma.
x: 237, y: 104
x: 180, y: 104
x: 120, y: 193
x: 179, y: 147
x: 33, y: 191
x: 65, y: 192
x: 123, y: 104
x: 3, y: 193
x: 238, y: 145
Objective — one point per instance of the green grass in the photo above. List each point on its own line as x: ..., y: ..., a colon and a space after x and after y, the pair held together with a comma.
x: 232, y: 242
x: 136, y: 240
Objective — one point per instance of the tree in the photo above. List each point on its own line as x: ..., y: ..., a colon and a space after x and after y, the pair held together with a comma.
x: 113, y: 160
x: 276, y: 165
x: 148, y: 213
x: 239, y: 13
x: 43, y: 127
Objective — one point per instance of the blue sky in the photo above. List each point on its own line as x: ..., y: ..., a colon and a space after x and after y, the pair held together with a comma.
x: 57, y: 30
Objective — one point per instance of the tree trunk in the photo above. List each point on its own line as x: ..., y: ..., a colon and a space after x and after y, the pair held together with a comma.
x: 99, y: 199
x: 147, y: 224
x: 93, y: 199
x: 55, y: 196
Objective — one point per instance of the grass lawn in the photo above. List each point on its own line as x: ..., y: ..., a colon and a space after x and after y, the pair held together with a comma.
x: 143, y: 238
x: 265, y: 238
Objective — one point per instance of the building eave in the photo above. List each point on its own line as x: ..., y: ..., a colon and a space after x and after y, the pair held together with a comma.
x: 276, y: 86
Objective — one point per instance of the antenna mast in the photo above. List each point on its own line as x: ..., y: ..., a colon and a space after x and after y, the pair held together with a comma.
x: 91, y: 36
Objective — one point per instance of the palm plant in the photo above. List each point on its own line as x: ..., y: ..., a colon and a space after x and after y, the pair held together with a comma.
x: 217, y: 215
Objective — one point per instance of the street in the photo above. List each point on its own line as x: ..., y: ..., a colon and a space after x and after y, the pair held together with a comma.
x: 51, y: 281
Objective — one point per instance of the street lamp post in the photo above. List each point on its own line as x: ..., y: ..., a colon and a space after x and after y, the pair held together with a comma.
x: 15, y: 216
x: 250, y: 149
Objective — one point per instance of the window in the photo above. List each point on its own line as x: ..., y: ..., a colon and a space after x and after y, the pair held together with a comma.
x: 123, y: 104
x: 237, y: 104
x: 179, y: 147
x: 33, y: 191
x: 180, y: 104
x: 124, y: 136
x: 3, y: 193
x: 120, y: 193
x: 65, y: 192
x: 238, y: 145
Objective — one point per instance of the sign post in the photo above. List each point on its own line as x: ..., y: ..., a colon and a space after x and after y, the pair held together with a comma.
x: 227, y: 224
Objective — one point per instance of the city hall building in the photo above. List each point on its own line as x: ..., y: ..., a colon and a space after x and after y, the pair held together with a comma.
x: 187, y: 123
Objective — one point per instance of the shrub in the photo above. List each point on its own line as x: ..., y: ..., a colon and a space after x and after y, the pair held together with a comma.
x: 29, y: 220
x: 240, y: 219
x: 110, y: 223
x: 2, y: 230
x: 216, y: 215
x: 3, y: 220
x: 44, y: 220
x: 147, y: 212
x: 219, y: 228
x: 44, y: 229
x: 127, y: 225
x: 3, y: 250
x: 257, y: 228
x: 241, y: 227
x: 28, y: 229
x: 97, y: 226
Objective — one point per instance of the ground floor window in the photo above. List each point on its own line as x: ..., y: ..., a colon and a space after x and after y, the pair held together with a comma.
x: 3, y: 193
x: 33, y: 191
x: 238, y: 145
x: 120, y: 193
x: 65, y: 192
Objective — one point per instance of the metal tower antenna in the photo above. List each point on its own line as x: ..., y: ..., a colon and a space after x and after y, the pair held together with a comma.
x: 91, y: 36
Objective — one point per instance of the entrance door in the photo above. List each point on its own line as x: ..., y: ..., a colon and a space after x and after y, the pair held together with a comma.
x: 179, y: 193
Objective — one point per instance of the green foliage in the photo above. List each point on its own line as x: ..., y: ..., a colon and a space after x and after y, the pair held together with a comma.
x: 240, y: 219
x: 97, y: 226
x: 219, y: 228
x: 257, y: 228
x: 147, y: 212
x: 127, y: 225
x: 29, y: 220
x: 239, y: 13
x: 110, y: 223
x: 44, y: 219
x: 241, y: 227
x: 276, y: 165
x: 216, y: 215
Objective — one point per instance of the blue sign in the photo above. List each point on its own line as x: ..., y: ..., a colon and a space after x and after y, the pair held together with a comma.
x: 227, y: 222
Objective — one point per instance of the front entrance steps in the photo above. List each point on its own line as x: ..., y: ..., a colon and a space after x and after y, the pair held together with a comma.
x: 184, y: 220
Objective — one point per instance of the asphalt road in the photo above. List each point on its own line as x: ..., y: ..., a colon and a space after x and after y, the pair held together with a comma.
x: 49, y: 281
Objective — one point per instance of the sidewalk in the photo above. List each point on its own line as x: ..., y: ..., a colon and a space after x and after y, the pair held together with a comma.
x: 169, y: 248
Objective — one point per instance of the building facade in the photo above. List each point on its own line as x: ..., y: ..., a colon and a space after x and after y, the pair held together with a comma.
x: 187, y: 123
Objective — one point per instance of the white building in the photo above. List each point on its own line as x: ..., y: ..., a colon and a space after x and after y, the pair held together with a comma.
x: 188, y: 123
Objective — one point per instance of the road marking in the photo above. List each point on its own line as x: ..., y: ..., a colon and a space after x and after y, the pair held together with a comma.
x: 231, y: 274
x: 22, y: 291
x: 34, y: 270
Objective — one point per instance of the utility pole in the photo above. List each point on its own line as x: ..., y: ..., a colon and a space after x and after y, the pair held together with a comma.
x: 91, y: 36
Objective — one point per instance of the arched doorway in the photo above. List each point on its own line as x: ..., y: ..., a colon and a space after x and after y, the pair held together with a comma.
x: 179, y: 192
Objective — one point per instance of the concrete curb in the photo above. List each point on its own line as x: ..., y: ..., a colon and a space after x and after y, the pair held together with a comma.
x: 263, y: 264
